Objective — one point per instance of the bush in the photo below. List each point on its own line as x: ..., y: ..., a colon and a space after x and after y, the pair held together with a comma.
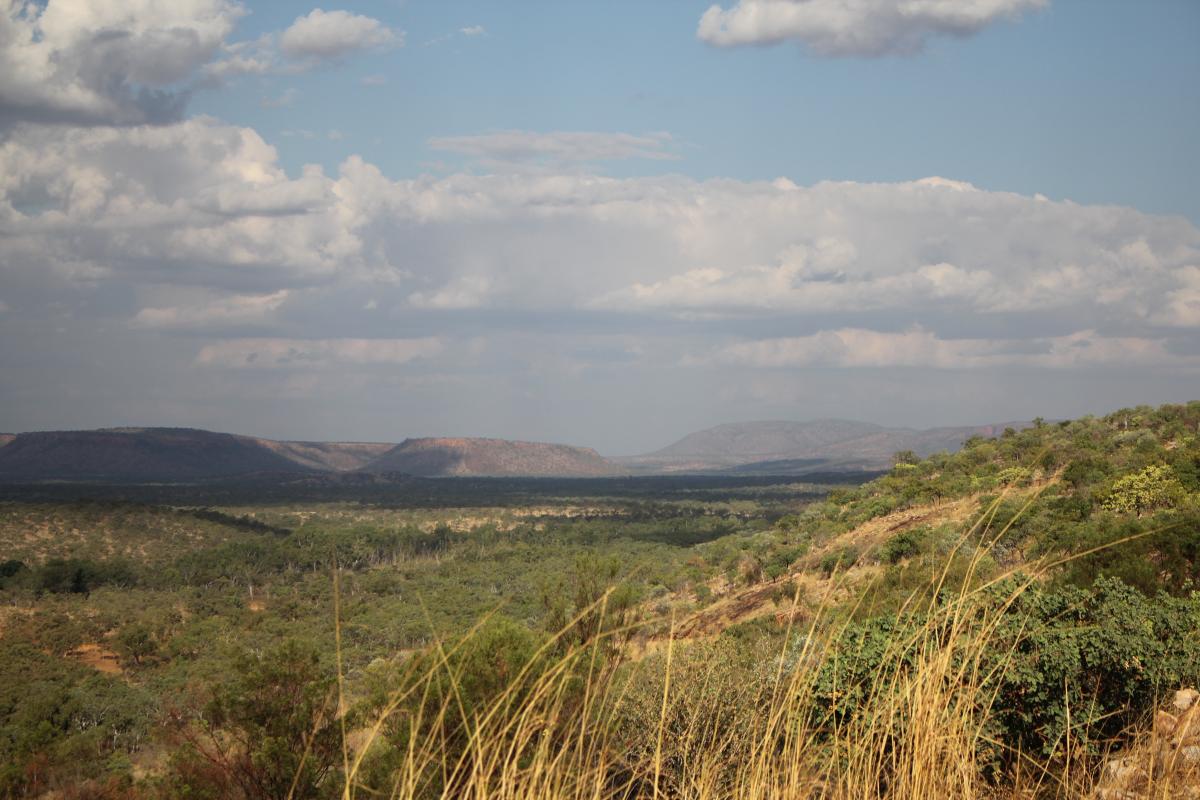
x: 839, y: 559
x: 904, y: 544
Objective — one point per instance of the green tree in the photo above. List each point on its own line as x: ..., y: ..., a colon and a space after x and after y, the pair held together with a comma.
x: 270, y: 733
x: 136, y: 643
x: 1154, y: 487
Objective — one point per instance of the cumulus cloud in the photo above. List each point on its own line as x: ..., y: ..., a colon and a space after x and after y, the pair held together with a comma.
x: 557, y: 147
x: 315, y: 353
x: 204, y: 212
x: 324, y: 35
x: 86, y: 63
x: 835, y: 28
x: 196, y: 203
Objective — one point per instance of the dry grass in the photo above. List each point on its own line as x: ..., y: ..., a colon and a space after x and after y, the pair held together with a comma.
x: 573, y: 724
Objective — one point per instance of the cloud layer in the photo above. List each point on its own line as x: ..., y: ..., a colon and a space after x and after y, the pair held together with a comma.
x: 200, y: 228
x: 863, y: 28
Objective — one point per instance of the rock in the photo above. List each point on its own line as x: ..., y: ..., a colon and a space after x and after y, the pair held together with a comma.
x: 1190, y: 755
x: 1124, y: 772
x: 1187, y: 725
x: 1184, y: 699
x: 1164, y: 724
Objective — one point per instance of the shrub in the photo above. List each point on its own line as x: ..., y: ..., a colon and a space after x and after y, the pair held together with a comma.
x: 839, y: 559
x: 904, y: 544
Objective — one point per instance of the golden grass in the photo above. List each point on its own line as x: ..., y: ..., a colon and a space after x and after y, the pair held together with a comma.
x: 572, y: 725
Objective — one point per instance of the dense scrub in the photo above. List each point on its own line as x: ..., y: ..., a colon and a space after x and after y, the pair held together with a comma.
x: 967, y: 625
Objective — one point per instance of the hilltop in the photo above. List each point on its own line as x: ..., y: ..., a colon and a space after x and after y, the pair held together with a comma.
x: 437, y: 457
x: 137, y: 454
x: 168, y: 455
x: 787, y: 447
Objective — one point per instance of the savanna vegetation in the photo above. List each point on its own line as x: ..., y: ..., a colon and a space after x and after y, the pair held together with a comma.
x: 999, y: 622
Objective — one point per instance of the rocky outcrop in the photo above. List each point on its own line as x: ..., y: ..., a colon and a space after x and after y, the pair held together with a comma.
x: 1164, y: 764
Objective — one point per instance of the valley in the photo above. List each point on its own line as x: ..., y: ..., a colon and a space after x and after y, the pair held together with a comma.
x: 144, y: 616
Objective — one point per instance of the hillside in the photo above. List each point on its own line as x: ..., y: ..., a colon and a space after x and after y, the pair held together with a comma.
x: 329, y: 456
x: 1057, y: 562
x: 137, y: 454
x: 167, y: 455
x: 438, y: 457
x: 802, y: 446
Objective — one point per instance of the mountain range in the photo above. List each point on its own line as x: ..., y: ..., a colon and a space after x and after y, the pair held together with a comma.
x: 785, y: 447
x: 147, y: 455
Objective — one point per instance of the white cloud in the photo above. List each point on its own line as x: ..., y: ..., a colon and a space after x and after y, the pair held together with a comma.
x: 473, y: 30
x: 88, y: 63
x: 196, y: 203
x: 557, y: 147
x: 1181, y: 307
x: 324, y: 35
x: 205, y: 212
x: 374, y: 80
x: 307, y: 354
x: 859, y: 28
x: 212, y: 312
x: 858, y: 348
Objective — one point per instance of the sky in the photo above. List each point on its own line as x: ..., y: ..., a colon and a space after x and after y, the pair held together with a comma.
x: 605, y: 224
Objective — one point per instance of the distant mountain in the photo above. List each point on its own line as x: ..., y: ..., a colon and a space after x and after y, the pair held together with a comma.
x: 176, y: 455
x: 787, y: 447
x: 329, y: 456
x: 491, y: 457
x: 168, y: 455
x: 137, y: 454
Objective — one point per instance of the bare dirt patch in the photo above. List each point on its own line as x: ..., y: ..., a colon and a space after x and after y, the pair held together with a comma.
x: 94, y: 655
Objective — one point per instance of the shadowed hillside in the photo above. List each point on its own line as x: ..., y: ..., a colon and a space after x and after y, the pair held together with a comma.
x: 332, y: 456
x: 137, y: 454
x: 498, y: 457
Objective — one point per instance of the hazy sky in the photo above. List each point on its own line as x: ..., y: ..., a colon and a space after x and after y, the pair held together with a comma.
x: 605, y: 223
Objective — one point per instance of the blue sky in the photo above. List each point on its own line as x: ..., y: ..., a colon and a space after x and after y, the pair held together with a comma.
x: 606, y: 224
x: 1092, y: 100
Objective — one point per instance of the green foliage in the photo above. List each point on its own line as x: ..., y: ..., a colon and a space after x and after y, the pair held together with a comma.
x: 269, y: 732
x: 60, y: 722
x: 904, y: 544
x: 1087, y: 661
x: 836, y: 560
x: 1153, y: 487
x: 196, y: 598
x: 80, y: 576
x: 136, y: 643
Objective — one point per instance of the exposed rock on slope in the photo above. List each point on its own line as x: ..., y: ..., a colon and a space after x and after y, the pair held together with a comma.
x: 490, y: 457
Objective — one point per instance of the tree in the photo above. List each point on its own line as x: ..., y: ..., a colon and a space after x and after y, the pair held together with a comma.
x: 136, y: 643
x: 1154, y: 487
x: 271, y: 733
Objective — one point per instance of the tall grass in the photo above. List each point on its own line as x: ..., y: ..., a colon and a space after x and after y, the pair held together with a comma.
x: 709, y: 720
